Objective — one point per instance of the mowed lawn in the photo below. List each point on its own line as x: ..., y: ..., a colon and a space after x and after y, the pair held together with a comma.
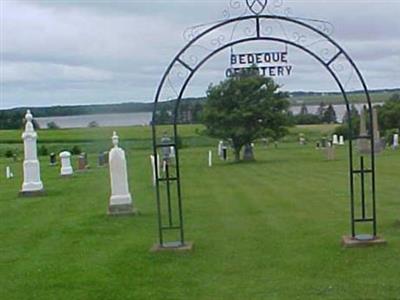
x: 264, y: 230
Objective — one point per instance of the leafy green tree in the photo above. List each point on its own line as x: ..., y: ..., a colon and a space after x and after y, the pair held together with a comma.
x: 321, y: 110
x: 355, y: 123
x: 389, y: 113
x: 329, y: 115
x: 164, y: 116
x: 245, y: 108
x: 52, y: 125
x: 353, y: 112
x: 306, y: 119
x: 93, y: 124
x: 303, y: 109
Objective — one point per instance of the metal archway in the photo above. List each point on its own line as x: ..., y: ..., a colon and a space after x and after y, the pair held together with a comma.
x: 313, y: 40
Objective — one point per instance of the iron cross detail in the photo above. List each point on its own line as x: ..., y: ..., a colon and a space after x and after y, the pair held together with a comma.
x: 257, y: 6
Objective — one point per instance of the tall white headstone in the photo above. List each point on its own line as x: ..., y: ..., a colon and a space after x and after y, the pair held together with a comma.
x: 341, y: 140
x: 9, y: 174
x: 153, y: 167
x: 172, y: 152
x: 395, y: 141
x: 32, y: 183
x: 335, y: 139
x: 210, y: 158
x: 220, y: 146
x: 66, y: 168
x: 121, y: 199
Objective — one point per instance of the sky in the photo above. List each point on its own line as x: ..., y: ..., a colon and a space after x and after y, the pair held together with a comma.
x: 59, y: 52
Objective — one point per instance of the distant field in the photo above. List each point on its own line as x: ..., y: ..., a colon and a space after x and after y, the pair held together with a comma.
x: 139, y: 137
x: 376, y: 97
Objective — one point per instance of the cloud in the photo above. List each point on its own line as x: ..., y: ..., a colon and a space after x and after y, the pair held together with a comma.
x: 66, y: 52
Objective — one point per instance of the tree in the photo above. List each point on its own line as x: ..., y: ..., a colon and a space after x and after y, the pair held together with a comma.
x: 389, y: 113
x: 353, y: 112
x: 93, y: 124
x: 306, y: 119
x: 245, y: 108
x: 303, y: 109
x: 321, y: 110
x: 329, y: 115
x: 355, y: 123
x: 52, y: 125
x: 164, y: 116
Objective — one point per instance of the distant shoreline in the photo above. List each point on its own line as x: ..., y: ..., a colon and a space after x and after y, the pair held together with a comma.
x: 296, y: 99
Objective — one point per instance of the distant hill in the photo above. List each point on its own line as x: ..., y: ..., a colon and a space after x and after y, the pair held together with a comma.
x: 310, y: 98
x: 296, y: 98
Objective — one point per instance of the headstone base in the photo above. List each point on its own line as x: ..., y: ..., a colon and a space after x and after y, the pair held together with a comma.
x: 30, y: 194
x: 350, y: 242
x: 122, y: 210
x: 173, y: 247
x: 66, y: 175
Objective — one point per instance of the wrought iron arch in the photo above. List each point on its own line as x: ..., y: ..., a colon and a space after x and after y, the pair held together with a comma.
x: 258, y: 31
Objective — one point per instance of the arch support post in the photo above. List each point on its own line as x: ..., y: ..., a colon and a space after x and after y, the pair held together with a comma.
x: 171, y: 235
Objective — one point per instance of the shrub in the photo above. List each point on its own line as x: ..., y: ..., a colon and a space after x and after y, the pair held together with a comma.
x: 76, y: 150
x: 52, y: 125
x: 93, y: 124
x: 9, y: 153
x: 43, y: 151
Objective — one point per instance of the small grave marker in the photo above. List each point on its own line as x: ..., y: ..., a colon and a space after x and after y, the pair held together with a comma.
x: 396, y: 141
x: 53, y: 159
x: 66, y: 168
x: 9, y: 174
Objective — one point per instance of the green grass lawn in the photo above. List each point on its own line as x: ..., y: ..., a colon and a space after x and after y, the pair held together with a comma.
x: 264, y: 230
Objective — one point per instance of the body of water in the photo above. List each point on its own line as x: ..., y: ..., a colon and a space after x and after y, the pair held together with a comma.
x: 103, y: 120
x: 144, y: 118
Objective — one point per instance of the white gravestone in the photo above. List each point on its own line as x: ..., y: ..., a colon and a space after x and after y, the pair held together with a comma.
x: 210, y: 158
x: 66, y: 168
x: 153, y: 167
x: 32, y: 183
x: 172, y: 152
x: 121, y: 199
x: 220, y: 151
x: 9, y: 174
x: 341, y: 140
x: 335, y: 139
x: 396, y: 141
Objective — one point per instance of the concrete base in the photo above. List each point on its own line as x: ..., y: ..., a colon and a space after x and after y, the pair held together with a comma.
x: 66, y: 175
x: 350, y: 242
x: 30, y: 194
x: 173, y: 247
x: 122, y: 210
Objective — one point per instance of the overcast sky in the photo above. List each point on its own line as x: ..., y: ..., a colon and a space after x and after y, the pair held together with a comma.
x: 98, y: 51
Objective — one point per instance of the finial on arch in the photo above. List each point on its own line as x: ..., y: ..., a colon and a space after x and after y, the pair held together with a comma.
x: 257, y: 6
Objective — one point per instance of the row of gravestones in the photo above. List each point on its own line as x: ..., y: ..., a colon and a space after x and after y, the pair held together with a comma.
x: 120, y: 202
x: 83, y: 162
